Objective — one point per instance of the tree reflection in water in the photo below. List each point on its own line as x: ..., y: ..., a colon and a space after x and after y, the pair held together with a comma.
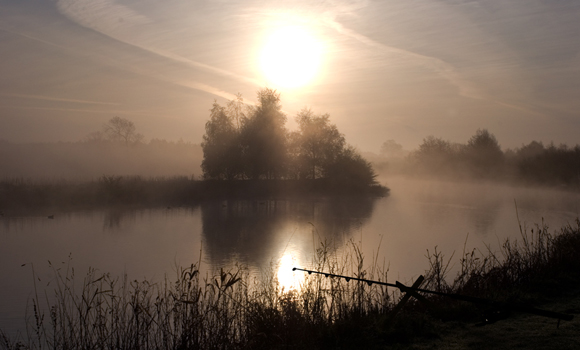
x: 259, y: 232
x: 116, y: 217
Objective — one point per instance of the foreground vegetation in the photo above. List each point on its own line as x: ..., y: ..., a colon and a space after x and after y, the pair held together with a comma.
x: 233, y: 310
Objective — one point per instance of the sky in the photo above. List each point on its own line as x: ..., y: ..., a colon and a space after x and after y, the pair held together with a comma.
x: 400, y: 70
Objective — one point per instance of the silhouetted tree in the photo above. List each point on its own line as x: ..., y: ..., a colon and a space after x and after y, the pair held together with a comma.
x: 349, y: 168
x: 221, y: 146
x: 235, y: 110
x: 295, y: 169
x: 261, y: 147
x: 434, y: 155
x: 557, y: 165
x: 484, y: 154
x: 263, y: 138
x: 318, y: 143
x: 433, y: 147
x: 530, y: 150
x: 121, y: 130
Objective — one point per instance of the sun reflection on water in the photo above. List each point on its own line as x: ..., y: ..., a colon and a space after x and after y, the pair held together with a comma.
x: 288, y: 280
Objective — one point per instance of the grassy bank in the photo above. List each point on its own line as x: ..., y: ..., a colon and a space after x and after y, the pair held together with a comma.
x: 20, y: 194
x: 233, y: 310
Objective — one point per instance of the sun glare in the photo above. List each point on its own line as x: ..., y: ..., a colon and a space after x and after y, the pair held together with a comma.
x: 291, y: 57
x: 285, y: 275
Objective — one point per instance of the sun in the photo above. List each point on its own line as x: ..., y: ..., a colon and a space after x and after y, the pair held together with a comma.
x: 291, y: 57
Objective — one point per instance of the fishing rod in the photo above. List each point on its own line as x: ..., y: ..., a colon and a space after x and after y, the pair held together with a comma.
x: 414, y: 290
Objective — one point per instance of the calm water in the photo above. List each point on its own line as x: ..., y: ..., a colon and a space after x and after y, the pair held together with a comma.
x: 150, y: 243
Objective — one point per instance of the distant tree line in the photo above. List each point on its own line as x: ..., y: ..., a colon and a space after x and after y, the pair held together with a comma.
x: 552, y: 164
x: 120, y: 153
x: 482, y: 158
x: 252, y: 142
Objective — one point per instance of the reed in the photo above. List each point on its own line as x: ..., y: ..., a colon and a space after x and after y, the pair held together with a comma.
x: 540, y: 259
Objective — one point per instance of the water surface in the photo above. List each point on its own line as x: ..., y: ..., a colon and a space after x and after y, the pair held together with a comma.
x: 394, y: 231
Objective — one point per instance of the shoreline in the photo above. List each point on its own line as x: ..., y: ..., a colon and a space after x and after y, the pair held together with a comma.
x: 20, y: 195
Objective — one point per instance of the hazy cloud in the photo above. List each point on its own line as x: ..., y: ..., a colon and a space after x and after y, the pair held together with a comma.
x: 104, y: 16
x: 57, y: 99
x: 444, y: 69
x: 93, y: 111
x: 114, y: 20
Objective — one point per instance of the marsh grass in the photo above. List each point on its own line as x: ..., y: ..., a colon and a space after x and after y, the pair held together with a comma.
x: 541, y: 261
x: 223, y: 310
x: 19, y: 195
x: 27, y: 194
x: 234, y: 309
x: 528, y: 271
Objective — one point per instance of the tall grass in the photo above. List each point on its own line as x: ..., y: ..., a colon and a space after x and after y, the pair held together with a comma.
x: 526, y: 271
x: 539, y: 259
x: 227, y: 309
x: 233, y: 309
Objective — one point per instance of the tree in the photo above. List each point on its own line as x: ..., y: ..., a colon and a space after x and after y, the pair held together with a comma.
x: 533, y: 149
x: 95, y: 137
x: 433, y: 147
x: 121, y: 130
x: 318, y: 143
x: 350, y: 169
x: 552, y: 164
x: 221, y: 148
x: 435, y: 153
x: 264, y: 138
x: 254, y: 144
x: 484, y: 154
x: 390, y: 148
x: 436, y: 156
x: 235, y: 110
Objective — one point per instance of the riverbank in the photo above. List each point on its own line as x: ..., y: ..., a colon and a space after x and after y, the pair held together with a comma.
x: 231, y: 309
x: 520, y: 331
x: 18, y: 195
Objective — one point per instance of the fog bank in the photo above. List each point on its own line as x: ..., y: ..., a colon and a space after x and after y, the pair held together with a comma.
x: 89, y: 160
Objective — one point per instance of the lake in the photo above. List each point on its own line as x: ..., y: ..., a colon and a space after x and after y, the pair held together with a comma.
x: 394, y: 232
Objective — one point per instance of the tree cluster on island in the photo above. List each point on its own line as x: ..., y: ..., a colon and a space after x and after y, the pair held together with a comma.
x: 252, y: 142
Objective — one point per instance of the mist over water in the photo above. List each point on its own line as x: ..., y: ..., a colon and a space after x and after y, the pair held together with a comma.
x: 395, y: 232
x: 424, y: 214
